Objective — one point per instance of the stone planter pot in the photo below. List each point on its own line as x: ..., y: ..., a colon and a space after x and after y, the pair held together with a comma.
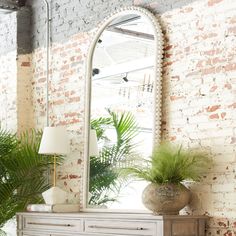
x: 165, y: 199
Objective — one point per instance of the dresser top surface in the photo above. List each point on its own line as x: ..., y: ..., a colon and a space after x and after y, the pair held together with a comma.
x: 100, y: 215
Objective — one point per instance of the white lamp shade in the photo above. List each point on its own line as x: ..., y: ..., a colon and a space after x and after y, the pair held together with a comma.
x: 93, y: 143
x: 54, y: 141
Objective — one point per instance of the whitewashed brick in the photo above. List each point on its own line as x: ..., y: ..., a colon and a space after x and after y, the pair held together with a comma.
x: 218, y: 188
x: 203, y: 30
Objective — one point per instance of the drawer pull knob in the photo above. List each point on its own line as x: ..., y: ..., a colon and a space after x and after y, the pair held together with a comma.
x: 48, y: 224
x: 116, y: 227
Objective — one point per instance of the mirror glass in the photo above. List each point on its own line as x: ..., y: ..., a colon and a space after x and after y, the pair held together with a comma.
x: 121, y: 111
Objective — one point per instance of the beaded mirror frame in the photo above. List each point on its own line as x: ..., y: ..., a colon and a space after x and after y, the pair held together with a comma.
x: 158, y: 38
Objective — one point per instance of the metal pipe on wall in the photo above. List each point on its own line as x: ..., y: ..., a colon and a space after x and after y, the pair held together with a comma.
x: 48, y: 19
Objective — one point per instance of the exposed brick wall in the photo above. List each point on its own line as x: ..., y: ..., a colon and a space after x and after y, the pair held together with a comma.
x: 15, y: 72
x: 8, y: 115
x: 69, y: 17
x: 199, y: 91
x: 72, y: 16
x: 8, y: 91
x: 23, y: 99
x: 66, y: 98
x: 198, y: 99
x: 8, y: 33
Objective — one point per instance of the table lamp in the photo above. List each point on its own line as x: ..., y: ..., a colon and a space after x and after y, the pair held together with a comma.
x: 93, y: 143
x: 54, y: 142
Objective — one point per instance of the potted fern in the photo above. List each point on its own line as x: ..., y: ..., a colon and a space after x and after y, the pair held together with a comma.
x: 168, y: 168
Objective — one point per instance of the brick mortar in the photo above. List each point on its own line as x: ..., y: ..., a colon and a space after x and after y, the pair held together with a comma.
x: 199, y: 97
x: 8, y: 91
x: 194, y: 117
x: 72, y: 17
x: 8, y: 31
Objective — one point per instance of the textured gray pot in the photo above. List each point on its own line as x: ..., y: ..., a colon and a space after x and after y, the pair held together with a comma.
x: 165, y: 199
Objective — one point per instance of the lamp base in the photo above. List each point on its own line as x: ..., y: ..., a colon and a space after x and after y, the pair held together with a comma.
x: 54, y: 196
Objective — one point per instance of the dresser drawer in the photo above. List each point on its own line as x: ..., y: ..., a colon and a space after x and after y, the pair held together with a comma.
x: 52, y: 224
x: 120, y: 227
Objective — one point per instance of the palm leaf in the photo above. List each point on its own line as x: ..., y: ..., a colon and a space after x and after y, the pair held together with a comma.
x: 105, y: 179
x: 22, y: 178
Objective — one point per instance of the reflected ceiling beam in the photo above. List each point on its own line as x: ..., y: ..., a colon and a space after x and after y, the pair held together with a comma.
x: 132, y: 33
x: 123, y: 21
x: 124, y: 68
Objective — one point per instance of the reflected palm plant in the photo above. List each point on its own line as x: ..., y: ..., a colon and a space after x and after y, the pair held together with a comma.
x: 105, y: 181
x: 22, y: 178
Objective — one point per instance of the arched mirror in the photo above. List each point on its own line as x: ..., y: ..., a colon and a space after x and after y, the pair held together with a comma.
x: 123, y: 107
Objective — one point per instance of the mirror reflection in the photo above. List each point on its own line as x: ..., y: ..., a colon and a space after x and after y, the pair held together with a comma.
x: 121, y: 112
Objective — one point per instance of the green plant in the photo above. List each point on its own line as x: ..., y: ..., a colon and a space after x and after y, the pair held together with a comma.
x: 105, y: 183
x: 170, y: 164
x: 22, y: 178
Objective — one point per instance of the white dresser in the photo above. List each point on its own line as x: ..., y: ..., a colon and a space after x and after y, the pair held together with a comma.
x: 108, y: 224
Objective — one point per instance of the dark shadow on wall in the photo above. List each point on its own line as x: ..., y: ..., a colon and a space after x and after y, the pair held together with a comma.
x: 27, y: 32
x: 70, y: 18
